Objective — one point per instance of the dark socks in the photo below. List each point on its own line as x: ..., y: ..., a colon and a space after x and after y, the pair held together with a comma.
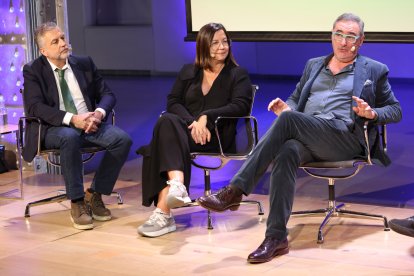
x: 77, y: 200
x: 236, y: 189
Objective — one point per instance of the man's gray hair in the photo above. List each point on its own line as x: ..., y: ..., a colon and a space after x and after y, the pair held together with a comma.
x: 351, y: 17
x: 41, y: 30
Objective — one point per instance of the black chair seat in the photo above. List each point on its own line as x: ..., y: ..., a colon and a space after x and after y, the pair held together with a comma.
x: 335, y: 164
x: 87, y: 150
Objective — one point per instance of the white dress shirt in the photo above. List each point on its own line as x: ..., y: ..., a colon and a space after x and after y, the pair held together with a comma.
x: 75, y: 91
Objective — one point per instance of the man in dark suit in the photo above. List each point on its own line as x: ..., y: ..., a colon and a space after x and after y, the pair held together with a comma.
x: 73, y: 101
x: 321, y: 121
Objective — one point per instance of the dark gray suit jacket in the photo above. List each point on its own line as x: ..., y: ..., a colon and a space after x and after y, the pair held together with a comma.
x: 41, y: 96
x: 370, y: 84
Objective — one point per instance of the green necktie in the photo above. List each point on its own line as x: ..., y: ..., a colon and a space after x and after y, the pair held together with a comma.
x: 66, y: 96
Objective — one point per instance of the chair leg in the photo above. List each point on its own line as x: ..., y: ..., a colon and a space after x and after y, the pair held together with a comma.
x: 329, y: 213
x: 61, y: 196
x: 119, y: 197
x: 334, y: 209
x: 310, y: 212
x: 209, y: 221
x: 207, y: 192
x: 54, y: 199
x: 362, y: 214
x: 260, y: 209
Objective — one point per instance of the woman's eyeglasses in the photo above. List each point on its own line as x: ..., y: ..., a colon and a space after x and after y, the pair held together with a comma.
x: 216, y: 44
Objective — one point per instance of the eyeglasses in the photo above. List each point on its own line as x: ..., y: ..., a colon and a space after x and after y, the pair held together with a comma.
x: 348, y: 38
x: 216, y: 44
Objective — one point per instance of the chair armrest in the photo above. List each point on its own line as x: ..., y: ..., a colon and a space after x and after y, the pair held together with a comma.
x: 25, y: 119
x: 383, y: 137
x: 113, y: 116
x: 383, y: 134
x: 251, y: 132
x: 22, y: 123
x: 366, y: 139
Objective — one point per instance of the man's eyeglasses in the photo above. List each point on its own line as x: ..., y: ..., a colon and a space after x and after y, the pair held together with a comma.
x: 216, y: 44
x: 348, y: 38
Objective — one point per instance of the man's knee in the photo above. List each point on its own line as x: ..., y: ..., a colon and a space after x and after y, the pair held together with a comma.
x: 289, y: 116
x: 126, y: 139
x: 121, y: 137
x: 291, y: 150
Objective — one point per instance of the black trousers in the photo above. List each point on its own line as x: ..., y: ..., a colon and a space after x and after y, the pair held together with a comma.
x: 293, y: 139
x: 169, y: 150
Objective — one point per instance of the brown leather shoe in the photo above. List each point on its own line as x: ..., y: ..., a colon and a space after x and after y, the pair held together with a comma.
x: 403, y: 226
x: 226, y: 198
x: 270, y: 248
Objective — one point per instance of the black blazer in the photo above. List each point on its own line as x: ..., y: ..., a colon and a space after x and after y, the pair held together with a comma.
x: 230, y: 95
x: 41, y: 96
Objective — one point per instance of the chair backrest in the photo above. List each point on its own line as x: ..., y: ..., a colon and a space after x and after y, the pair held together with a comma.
x: 255, y: 88
x: 246, y: 132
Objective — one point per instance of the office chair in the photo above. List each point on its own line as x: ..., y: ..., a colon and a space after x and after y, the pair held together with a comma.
x: 87, y: 153
x: 348, y: 168
x: 246, y: 140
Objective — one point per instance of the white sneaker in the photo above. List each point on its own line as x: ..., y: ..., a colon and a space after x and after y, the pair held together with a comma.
x: 177, y: 194
x: 158, y: 224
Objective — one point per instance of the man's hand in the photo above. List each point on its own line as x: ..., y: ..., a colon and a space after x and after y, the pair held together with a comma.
x: 79, y: 121
x: 278, y: 106
x: 98, y: 115
x: 363, y: 109
x: 89, y: 122
x: 93, y: 122
x: 199, y: 131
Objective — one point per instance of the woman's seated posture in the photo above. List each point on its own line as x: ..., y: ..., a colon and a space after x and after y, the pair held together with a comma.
x: 211, y: 87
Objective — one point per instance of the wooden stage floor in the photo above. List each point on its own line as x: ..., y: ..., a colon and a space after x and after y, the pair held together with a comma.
x: 47, y: 244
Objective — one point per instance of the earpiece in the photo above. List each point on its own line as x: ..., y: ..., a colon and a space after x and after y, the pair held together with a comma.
x: 353, y: 48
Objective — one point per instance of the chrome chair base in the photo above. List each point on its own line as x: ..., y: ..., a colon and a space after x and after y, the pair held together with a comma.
x: 260, y: 210
x: 336, y: 210
x: 61, y: 196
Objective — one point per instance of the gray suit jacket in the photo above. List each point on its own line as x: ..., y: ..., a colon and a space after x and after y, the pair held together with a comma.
x: 370, y: 84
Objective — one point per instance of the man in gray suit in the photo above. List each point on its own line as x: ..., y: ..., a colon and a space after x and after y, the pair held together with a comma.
x: 321, y: 121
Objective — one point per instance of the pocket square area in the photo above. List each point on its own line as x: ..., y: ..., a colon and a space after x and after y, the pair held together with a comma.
x: 367, y: 82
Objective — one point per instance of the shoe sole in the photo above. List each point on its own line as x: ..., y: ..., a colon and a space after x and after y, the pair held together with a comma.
x: 176, y: 202
x: 401, y: 229
x: 233, y: 207
x: 278, y: 253
x: 158, y: 233
x: 81, y: 226
x: 101, y: 218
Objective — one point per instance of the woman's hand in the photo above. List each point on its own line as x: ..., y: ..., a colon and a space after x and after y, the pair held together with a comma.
x: 199, y: 131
